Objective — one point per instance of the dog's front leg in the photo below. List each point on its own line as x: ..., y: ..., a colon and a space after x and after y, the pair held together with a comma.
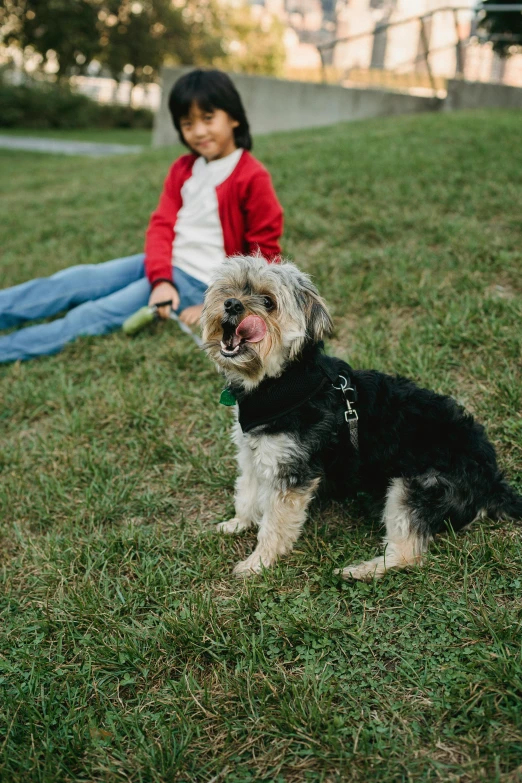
x: 246, y: 502
x: 280, y: 526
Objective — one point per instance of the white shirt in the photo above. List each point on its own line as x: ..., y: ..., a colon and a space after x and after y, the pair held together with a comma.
x: 198, y: 246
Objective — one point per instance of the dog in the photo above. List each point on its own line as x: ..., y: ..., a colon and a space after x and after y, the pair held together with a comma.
x: 306, y: 420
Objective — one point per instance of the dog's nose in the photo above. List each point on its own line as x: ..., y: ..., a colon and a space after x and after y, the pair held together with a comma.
x: 233, y: 306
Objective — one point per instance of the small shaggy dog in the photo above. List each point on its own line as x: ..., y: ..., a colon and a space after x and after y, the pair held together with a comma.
x: 306, y: 419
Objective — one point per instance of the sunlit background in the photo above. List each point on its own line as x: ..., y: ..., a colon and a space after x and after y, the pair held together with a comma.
x: 114, y: 51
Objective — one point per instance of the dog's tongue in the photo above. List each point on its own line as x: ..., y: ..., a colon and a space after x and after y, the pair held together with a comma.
x: 252, y: 329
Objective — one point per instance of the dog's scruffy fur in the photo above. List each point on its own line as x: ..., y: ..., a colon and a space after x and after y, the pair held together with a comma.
x: 431, y: 460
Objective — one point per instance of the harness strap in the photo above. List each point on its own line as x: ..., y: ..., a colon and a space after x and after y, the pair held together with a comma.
x: 275, y: 398
x: 350, y: 414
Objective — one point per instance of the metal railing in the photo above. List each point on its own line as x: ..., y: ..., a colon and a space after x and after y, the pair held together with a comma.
x: 459, y: 44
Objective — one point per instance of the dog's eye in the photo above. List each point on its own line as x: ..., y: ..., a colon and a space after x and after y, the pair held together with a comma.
x: 268, y: 303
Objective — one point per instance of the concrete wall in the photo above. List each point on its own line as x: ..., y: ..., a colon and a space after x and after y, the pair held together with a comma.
x: 277, y: 105
x: 480, y: 95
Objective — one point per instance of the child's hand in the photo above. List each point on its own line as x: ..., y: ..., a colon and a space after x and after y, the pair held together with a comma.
x: 191, y: 315
x: 163, y: 293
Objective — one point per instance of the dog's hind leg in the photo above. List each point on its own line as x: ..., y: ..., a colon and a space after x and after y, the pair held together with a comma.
x: 280, y: 525
x: 404, y: 543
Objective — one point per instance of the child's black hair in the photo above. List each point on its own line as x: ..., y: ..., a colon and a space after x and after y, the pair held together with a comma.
x: 209, y: 89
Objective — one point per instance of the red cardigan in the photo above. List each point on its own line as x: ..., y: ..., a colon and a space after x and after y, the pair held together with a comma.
x: 250, y: 214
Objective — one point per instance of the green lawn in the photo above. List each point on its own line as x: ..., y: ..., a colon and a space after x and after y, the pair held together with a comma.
x: 128, y: 652
x: 101, y: 135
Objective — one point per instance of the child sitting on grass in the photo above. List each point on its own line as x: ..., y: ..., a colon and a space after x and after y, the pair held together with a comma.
x: 217, y: 201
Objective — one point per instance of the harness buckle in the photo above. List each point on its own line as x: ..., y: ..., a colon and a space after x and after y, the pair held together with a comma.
x: 350, y: 414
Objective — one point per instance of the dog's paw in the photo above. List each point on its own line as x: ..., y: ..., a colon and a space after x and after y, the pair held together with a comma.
x: 365, y: 571
x: 252, y: 565
x: 233, y: 525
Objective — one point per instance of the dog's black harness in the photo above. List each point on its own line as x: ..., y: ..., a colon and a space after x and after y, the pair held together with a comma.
x: 300, y: 382
x: 349, y: 392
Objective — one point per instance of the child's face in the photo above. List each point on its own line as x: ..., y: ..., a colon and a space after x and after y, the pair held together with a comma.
x: 209, y: 133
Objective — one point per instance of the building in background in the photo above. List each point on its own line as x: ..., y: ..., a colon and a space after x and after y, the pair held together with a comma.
x: 356, y: 42
x: 399, y: 49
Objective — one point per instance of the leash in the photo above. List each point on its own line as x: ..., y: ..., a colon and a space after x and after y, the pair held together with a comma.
x: 350, y: 414
x: 184, y: 328
x: 146, y: 315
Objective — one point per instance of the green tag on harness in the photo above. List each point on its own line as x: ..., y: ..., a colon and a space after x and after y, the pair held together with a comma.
x: 227, y: 398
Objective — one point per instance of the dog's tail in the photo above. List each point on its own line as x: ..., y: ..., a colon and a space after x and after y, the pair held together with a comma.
x: 505, y: 502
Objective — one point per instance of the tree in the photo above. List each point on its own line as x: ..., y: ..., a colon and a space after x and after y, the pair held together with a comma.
x: 137, y: 36
x: 252, y: 45
x: 205, y: 19
x: 503, y: 28
x: 118, y: 33
x: 67, y: 28
x: 142, y: 34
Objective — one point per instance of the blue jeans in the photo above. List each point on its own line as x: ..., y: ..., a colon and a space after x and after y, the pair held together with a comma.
x: 101, y: 296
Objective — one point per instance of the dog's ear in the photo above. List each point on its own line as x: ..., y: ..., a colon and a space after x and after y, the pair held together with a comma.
x: 318, y: 320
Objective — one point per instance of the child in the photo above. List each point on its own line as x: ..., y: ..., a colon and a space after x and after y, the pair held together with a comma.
x: 216, y: 201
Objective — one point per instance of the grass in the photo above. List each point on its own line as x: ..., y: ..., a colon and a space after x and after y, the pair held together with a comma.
x: 100, y: 135
x: 128, y: 652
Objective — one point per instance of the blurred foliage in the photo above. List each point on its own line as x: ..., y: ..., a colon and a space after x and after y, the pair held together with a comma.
x: 253, y: 45
x: 138, y: 36
x: 146, y: 33
x: 503, y: 28
x: 67, y: 28
x: 46, y: 105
